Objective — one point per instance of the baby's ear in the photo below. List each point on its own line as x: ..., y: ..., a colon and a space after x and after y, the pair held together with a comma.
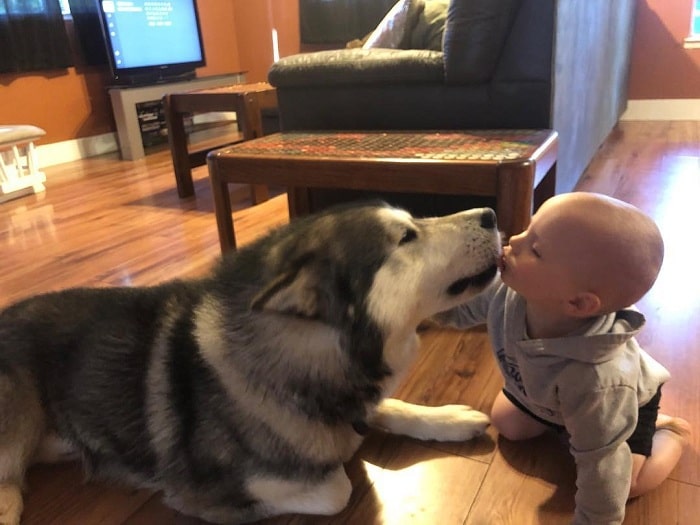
x: 583, y: 304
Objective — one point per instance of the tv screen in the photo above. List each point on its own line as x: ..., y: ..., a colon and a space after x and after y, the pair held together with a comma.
x: 150, y: 41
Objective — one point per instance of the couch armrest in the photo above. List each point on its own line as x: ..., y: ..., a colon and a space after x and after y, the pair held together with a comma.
x: 348, y: 67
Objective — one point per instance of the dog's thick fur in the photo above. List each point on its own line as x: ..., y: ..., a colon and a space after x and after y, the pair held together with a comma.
x: 240, y: 395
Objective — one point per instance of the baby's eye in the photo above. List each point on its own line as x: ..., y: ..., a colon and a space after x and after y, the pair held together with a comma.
x: 536, y: 253
x: 408, y: 236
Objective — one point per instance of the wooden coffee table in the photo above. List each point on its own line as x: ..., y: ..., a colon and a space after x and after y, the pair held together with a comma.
x: 517, y: 167
x: 247, y: 100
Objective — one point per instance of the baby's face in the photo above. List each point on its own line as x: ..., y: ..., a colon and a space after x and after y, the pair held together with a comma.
x: 580, y: 243
x: 541, y: 263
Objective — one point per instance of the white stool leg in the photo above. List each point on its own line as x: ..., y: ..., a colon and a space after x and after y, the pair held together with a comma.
x: 31, y: 158
x: 33, y: 165
x: 18, y: 163
x: 4, y: 175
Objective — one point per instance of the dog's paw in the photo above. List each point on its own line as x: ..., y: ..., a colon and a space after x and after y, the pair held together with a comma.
x: 443, y: 423
x: 454, y: 423
x: 10, y: 504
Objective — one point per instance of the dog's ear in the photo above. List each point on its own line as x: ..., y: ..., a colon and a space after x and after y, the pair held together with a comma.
x: 308, y: 290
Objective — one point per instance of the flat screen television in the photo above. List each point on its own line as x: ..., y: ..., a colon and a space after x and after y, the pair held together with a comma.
x: 151, y: 41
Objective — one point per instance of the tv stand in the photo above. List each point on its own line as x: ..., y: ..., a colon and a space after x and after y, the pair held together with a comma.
x: 153, y: 78
x: 125, y: 98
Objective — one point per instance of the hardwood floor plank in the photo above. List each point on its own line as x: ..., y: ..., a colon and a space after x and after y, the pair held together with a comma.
x: 528, y: 483
x: 456, y: 367
x: 52, y: 498
x: 420, y: 485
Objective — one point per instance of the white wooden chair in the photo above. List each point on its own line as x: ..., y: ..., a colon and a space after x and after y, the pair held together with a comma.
x: 19, y: 166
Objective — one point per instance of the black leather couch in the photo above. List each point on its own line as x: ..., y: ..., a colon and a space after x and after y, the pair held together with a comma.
x: 558, y: 64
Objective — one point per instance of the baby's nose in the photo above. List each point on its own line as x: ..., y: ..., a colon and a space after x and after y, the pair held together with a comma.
x: 488, y: 219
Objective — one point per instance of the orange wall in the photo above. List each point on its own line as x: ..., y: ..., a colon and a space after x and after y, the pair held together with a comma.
x: 254, y: 23
x: 73, y: 103
x: 217, y: 19
x: 660, y: 67
x: 67, y: 104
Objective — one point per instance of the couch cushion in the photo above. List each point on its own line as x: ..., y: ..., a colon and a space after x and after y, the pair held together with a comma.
x: 475, y: 32
x: 349, y: 67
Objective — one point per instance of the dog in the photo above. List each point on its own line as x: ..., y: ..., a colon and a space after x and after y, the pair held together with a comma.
x: 241, y: 394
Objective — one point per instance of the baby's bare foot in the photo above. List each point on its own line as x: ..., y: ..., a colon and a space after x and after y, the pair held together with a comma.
x: 676, y: 425
x: 10, y: 504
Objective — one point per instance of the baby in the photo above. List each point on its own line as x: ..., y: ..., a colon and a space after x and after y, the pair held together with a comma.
x: 564, y: 338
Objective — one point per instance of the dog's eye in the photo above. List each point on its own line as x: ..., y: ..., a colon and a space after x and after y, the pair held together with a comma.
x: 408, y: 236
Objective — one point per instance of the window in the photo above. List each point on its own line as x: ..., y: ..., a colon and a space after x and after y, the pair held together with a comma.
x: 693, y: 40
x: 65, y: 8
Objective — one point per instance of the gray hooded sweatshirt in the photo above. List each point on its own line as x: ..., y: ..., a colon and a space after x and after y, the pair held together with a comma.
x: 592, y: 383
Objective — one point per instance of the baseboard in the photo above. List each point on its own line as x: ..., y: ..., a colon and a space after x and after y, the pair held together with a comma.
x: 76, y: 149
x: 663, y: 109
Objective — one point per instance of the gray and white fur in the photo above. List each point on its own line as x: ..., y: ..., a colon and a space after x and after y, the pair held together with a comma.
x: 240, y: 395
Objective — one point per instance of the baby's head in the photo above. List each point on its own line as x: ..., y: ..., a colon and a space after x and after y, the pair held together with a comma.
x: 586, y: 252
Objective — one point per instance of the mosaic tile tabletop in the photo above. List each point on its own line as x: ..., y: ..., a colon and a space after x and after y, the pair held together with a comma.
x: 483, y: 145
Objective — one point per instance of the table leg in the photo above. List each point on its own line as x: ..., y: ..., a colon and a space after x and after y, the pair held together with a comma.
x: 514, y: 195
x: 298, y: 202
x: 222, y: 210
x: 250, y: 123
x: 177, y: 139
x: 258, y: 193
x: 546, y: 188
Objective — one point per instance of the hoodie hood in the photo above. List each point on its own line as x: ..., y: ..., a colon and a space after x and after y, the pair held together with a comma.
x: 602, y: 341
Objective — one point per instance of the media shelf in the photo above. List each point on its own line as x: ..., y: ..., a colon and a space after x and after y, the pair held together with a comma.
x: 154, y: 129
x: 137, y: 114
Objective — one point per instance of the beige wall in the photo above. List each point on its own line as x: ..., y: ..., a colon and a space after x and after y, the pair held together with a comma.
x: 661, y: 68
x: 73, y: 103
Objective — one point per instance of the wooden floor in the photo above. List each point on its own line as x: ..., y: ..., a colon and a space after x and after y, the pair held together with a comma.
x: 105, y: 222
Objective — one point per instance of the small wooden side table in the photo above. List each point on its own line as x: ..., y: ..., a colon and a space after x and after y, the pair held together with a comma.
x: 509, y: 165
x: 247, y: 100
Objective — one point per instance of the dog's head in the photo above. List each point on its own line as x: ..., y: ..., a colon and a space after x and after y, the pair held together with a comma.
x: 379, y: 261
x: 335, y: 298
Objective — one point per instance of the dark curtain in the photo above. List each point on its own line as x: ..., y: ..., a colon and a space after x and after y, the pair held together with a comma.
x: 32, y: 36
x: 339, y: 21
x: 88, y: 31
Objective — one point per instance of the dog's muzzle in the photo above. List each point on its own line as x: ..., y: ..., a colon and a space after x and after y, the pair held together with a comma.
x: 479, y: 280
x: 488, y: 219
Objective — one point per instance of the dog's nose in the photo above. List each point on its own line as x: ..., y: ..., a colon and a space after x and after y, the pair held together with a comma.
x: 488, y: 219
